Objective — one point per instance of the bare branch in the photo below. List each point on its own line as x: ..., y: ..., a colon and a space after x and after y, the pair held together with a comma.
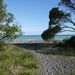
x: 71, y: 21
x: 68, y: 27
x: 68, y: 4
x: 67, y: 30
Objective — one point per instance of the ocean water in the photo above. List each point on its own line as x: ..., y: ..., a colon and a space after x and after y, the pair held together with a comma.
x: 38, y: 37
x: 29, y: 37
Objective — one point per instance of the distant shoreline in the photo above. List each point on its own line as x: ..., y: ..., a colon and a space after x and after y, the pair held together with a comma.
x: 31, y: 41
x: 38, y: 37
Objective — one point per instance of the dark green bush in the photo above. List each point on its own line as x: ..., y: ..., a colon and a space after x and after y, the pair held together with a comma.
x: 70, y: 42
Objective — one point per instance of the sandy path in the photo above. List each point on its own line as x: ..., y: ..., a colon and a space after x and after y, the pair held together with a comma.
x: 55, y: 64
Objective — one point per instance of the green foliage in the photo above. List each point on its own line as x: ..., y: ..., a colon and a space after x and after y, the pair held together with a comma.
x: 50, y: 33
x: 8, y: 30
x: 70, y: 42
x: 57, y: 18
x: 71, y: 5
x: 46, y: 35
x: 2, y: 11
x: 56, y: 15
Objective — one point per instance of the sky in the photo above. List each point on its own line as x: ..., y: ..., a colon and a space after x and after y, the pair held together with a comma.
x: 32, y: 15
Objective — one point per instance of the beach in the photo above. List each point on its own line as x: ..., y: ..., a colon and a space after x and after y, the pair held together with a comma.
x: 37, y: 37
x: 50, y: 62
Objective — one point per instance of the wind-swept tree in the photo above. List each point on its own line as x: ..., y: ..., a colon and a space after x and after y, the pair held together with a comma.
x: 59, y: 18
x: 8, y: 30
x: 56, y: 24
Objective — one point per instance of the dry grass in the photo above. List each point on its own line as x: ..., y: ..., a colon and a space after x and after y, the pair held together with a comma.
x: 16, y: 61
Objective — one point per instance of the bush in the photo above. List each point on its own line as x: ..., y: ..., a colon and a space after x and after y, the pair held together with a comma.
x: 70, y: 42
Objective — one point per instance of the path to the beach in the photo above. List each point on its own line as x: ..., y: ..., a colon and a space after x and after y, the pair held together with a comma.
x: 52, y: 64
x: 55, y: 64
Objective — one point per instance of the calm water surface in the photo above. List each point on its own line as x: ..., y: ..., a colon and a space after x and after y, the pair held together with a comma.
x: 38, y: 37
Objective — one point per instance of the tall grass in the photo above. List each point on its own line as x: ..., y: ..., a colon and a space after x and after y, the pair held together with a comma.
x: 16, y: 61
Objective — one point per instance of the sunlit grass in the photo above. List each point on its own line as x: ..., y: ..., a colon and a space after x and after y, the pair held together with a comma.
x: 16, y: 61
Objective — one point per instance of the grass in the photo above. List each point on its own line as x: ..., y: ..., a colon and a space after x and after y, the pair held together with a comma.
x: 55, y: 50
x: 16, y: 61
x: 65, y: 52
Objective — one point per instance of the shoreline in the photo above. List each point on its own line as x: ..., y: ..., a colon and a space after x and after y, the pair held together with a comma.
x: 32, y: 41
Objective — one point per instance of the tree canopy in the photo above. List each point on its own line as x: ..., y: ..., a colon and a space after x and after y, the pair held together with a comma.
x: 8, y: 30
x: 58, y: 18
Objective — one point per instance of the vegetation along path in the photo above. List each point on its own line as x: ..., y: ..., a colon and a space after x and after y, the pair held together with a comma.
x: 52, y: 64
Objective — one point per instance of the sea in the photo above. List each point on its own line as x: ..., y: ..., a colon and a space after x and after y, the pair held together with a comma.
x: 38, y: 37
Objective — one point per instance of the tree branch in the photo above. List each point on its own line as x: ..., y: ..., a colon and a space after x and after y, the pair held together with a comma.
x: 68, y: 4
x: 67, y: 30
x: 68, y: 27
x: 71, y: 21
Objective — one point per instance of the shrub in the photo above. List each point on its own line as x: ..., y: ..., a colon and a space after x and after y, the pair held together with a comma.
x: 70, y: 42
